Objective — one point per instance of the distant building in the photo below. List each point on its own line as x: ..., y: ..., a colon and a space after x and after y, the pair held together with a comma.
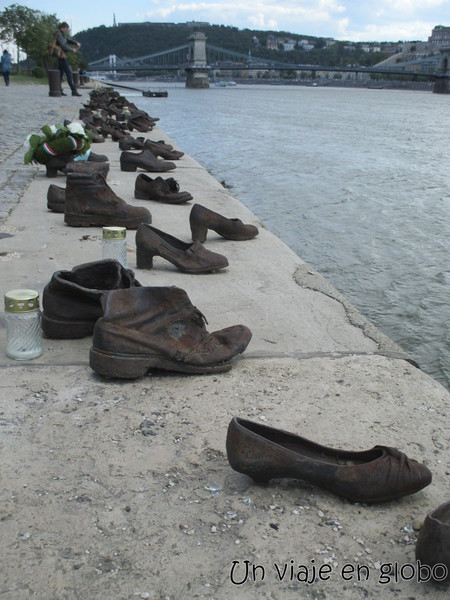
x: 440, y: 36
x: 305, y: 45
x: 271, y: 42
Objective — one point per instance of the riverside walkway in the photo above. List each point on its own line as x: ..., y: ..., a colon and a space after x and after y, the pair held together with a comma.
x: 122, y: 489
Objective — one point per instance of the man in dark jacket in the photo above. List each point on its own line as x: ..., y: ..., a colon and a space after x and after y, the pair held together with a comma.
x: 63, y: 64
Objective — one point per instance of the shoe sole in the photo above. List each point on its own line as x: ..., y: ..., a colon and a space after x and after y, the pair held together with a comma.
x: 163, y: 200
x: 123, y: 366
x: 94, y: 221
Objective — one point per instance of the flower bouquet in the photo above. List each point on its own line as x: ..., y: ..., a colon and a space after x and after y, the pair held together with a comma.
x: 55, y: 140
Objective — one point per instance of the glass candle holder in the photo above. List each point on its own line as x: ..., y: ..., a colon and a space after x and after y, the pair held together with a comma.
x: 23, y: 324
x: 114, y: 244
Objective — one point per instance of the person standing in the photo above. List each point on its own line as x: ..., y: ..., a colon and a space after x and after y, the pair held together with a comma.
x: 6, y: 66
x: 63, y: 64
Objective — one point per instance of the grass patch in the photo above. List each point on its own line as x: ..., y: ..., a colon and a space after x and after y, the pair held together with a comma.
x: 24, y: 79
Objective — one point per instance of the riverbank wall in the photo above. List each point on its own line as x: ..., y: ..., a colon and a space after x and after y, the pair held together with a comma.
x: 124, y: 488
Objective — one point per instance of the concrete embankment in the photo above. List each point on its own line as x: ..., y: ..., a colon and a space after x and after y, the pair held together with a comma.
x: 123, y: 488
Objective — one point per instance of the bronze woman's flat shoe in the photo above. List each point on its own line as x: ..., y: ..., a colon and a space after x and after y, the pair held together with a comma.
x: 187, y: 257
x: 433, y: 542
x: 201, y: 219
x: 375, y: 475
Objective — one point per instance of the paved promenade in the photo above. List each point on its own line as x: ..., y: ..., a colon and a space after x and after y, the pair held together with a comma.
x: 122, y: 489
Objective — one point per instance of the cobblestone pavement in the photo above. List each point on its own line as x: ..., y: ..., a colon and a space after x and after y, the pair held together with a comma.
x: 26, y: 108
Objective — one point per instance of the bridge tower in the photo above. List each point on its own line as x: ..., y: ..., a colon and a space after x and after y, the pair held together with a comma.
x: 197, y: 70
x: 442, y: 86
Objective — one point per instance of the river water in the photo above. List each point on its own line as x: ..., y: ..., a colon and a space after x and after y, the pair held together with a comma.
x: 355, y: 181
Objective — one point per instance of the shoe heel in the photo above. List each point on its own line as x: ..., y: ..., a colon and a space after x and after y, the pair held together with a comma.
x: 199, y: 232
x: 144, y: 259
x: 127, y: 167
x: 122, y: 367
x: 51, y: 172
x: 140, y: 195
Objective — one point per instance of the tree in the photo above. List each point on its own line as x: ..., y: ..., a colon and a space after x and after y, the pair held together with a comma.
x: 30, y: 30
x: 14, y: 20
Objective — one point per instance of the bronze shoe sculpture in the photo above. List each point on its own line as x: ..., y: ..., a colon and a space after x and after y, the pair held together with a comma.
x: 101, y: 158
x: 160, y: 190
x: 58, y: 163
x: 82, y: 166
x: 56, y: 198
x: 433, y: 543
x: 187, y: 257
x: 129, y: 161
x: 375, y: 475
x: 159, y: 328
x: 71, y: 300
x: 201, y: 219
x: 159, y: 149
x: 128, y: 142
x: 91, y: 202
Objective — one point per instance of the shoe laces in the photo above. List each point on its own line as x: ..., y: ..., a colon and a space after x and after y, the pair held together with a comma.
x: 199, y: 318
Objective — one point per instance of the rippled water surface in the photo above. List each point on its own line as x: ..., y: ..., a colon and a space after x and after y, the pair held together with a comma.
x: 356, y: 182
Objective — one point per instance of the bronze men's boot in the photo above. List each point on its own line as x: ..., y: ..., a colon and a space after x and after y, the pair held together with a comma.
x: 159, y: 328
x: 71, y: 300
x: 91, y: 202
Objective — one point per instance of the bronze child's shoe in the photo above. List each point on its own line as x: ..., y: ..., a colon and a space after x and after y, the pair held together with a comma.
x: 375, y: 475
x: 159, y: 328
x: 433, y: 543
x: 201, y: 219
x: 187, y: 257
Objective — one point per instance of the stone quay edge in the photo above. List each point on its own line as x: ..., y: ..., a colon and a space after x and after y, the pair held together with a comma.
x: 123, y: 488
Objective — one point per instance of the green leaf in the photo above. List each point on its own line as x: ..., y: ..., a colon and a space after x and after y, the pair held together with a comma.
x: 28, y: 156
x: 47, y: 131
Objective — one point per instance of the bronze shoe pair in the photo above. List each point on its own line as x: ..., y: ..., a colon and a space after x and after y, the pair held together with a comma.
x: 160, y: 190
x: 187, y: 257
x: 376, y: 475
x: 146, y: 160
x: 201, y: 219
x: 433, y: 543
x: 159, y: 328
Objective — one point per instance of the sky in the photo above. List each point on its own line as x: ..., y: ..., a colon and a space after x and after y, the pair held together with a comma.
x: 353, y: 20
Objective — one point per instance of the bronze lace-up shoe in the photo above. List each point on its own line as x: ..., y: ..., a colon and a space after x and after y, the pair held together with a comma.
x: 160, y: 190
x: 91, y: 202
x: 159, y: 328
x: 201, y: 219
x: 375, y: 475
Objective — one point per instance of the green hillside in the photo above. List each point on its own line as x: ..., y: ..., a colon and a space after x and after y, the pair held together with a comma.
x: 132, y: 40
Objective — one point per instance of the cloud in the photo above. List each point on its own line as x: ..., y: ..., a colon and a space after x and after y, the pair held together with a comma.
x: 264, y: 14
